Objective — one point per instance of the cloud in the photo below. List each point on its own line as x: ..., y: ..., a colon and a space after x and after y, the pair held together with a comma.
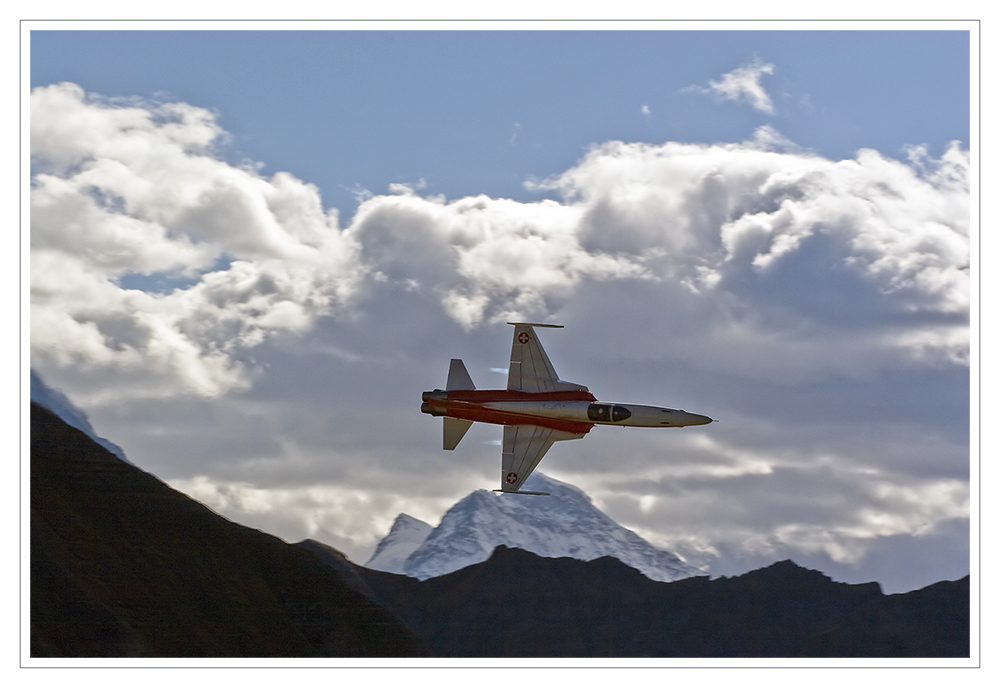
x: 224, y: 330
x: 773, y: 502
x: 753, y: 247
x: 120, y: 191
x: 767, y: 137
x: 338, y: 515
x: 483, y: 258
x: 776, y: 250
x: 742, y: 85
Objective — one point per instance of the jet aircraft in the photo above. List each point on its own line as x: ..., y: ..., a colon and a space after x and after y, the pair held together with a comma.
x: 536, y: 409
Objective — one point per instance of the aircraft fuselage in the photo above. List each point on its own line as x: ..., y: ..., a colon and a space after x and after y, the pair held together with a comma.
x: 536, y: 410
x: 575, y: 411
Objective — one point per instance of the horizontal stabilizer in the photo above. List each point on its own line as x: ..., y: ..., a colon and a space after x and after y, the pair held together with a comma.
x: 454, y: 431
x: 458, y: 376
x: 544, y: 494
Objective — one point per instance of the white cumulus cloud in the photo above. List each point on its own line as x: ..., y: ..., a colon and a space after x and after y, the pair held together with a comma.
x: 787, y: 247
x: 126, y: 193
x: 483, y: 258
x: 774, y: 248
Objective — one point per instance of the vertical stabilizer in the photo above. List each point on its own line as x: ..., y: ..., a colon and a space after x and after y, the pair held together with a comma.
x: 458, y: 376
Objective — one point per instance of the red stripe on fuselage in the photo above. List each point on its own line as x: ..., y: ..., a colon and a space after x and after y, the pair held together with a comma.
x: 485, y: 396
x: 474, y: 412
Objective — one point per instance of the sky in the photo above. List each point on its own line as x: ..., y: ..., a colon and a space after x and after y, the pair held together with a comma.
x: 251, y: 251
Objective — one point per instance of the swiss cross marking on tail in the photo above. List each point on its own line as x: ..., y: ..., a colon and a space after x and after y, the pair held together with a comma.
x: 511, y: 478
x: 523, y: 337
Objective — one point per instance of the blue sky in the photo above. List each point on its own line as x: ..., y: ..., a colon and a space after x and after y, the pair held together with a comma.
x: 481, y: 112
x: 251, y: 251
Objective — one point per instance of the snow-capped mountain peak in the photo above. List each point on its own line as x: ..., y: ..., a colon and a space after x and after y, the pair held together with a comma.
x: 407, y: 533
x: 564, y: 524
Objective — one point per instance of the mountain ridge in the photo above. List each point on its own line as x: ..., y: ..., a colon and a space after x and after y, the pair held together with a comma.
x: 122, y: 565
x: 518, y: 604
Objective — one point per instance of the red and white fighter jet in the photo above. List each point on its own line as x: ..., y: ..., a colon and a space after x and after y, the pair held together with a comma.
x: 536, y: 409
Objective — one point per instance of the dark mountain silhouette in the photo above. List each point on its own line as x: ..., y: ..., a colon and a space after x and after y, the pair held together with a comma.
x: 517, y: 604
x: 124, y: 566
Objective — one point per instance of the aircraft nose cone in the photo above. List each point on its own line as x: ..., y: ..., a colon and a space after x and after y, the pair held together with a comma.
x: 697, y: 419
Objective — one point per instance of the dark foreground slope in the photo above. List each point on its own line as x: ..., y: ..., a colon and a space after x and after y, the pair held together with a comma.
x: 518, y: 604
x: 123, y: 565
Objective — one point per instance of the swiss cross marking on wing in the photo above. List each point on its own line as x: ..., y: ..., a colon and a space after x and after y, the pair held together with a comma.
x: 511, y: 478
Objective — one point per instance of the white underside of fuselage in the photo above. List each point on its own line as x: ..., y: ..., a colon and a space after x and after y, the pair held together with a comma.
x: 583, y: 411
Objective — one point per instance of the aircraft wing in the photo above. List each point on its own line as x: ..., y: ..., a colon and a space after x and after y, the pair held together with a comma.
x: 530, y: 368
x: 523, y: 447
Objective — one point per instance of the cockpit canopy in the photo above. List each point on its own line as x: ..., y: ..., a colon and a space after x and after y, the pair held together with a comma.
x: 607, y: 413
